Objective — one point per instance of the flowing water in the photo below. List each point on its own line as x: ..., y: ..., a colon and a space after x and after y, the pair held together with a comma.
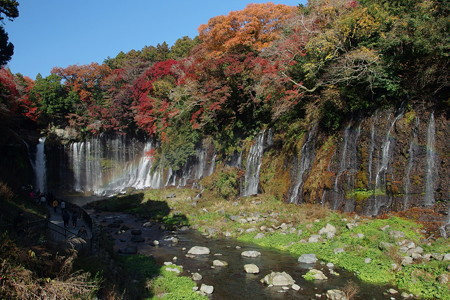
x: 411, y: 151
x: 232, y: 282
x: 306, y: 159
x: 40, y: 168
x: 431, y: 162
x: 253, y: 166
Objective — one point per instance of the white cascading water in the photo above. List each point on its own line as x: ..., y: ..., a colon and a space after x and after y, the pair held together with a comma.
x: 40, y: 169
x: 380, y: 179
x: 412, y: 150
x: 307, y: 157
x: 253, y: 166
x: 431, y: 165
x: 348, y: 162
x: 108, y: 166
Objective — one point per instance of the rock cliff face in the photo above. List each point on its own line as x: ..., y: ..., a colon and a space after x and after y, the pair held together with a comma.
x: 390, y: 161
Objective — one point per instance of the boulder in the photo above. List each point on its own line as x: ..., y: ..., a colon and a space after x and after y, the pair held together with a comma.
x: 338, y: 250
x: 207, y: 289
x: 278, y: 279
x: 314, y: 238
x: 259, y: 236
x: 336, y: 295
x: 315, y: 274
x: 196, y: 277
x: 251, y: 254
x: 251, y: 268
x: 219, y: 263
x: 307, y: 259
x: 328, y: 230
x: 198, y: 250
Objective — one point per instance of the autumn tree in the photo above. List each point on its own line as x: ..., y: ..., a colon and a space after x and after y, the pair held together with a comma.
x: 256, y: 26
x: 84, y: 84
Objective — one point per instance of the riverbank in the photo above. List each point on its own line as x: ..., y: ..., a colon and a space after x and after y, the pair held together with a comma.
x: 384, y: 251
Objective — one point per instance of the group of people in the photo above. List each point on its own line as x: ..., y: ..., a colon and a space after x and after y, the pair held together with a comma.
x: 69, y: 216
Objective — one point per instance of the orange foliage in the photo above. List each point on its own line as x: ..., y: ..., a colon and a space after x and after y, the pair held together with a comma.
x: 83, y: 79
x: 257, y: 26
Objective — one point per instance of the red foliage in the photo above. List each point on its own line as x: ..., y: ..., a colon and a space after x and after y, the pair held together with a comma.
x: 153, y: 111
x: 8, y: 92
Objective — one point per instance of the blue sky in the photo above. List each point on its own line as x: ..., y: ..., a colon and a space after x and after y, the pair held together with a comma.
x: 51, y: 33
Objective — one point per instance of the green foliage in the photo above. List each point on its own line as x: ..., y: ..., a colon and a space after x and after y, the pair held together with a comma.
x: 52, y: 98
x: 360, y: 195
x: 224, y: 183
x: 179, y: 144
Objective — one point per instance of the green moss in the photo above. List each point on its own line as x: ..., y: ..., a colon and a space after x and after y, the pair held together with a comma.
x: 360, y: 195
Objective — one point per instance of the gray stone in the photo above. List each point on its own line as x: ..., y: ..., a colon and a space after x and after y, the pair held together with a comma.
x: 443, y: 279
x: 314, y: 238
x: 336, y: 295
x: 328, y: 229
x: 446, y: 257
x: 155, y: 243
x: 392, y: 291
x: 397, y: 234
x: 251, y: 268
x: 338, y: 250
x: 175, y: 270
x: 367, y: 260
x: 295, y: 287
x: 330, y: 265
x: 385, y: 246
x: 316, y: 274
x: 278, y: 279
x: 307, y: 258
x: 198, y: 250
x: 259, y: 236
x: 219, y: 263
x: 251, y: 254
x: 350, y: 226
x: 207, y: 289
x: 196, y: 277
x: 407, y: 260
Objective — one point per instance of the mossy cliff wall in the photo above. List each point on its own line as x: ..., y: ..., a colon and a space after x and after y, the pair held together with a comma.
x: 389, y: 161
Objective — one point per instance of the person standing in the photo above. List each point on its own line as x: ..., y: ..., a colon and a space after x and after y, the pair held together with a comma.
x: 74, y: 219
x: 63, y: 206
x: 66, y: 217
x: 55, y: 205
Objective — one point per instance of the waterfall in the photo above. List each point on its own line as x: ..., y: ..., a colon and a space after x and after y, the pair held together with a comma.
x: 348, y: 162
x: 40, y: 169
x: 411, y: 151
x: 386, y: 154
x: 380, y: 179
x: 307, y: 156
x: 253, y: 166
x: 431, y: 165
x: 371, y: 149
x: 104, y: 166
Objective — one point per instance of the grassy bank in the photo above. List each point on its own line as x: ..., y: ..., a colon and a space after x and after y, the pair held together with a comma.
x: 373, y: 249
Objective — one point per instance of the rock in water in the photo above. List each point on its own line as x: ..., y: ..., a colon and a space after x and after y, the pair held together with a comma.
x: 198, y: 250
x: 336, y: 295
x: 307, y: 259
x: 207, y: 289
x: 278, y: 279
x: 251, y: 254
x: 251, y: 268
x: 219, y: 263
x: 196, y: 277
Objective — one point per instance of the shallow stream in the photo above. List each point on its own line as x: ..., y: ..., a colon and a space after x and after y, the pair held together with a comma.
x: 229, y: 282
